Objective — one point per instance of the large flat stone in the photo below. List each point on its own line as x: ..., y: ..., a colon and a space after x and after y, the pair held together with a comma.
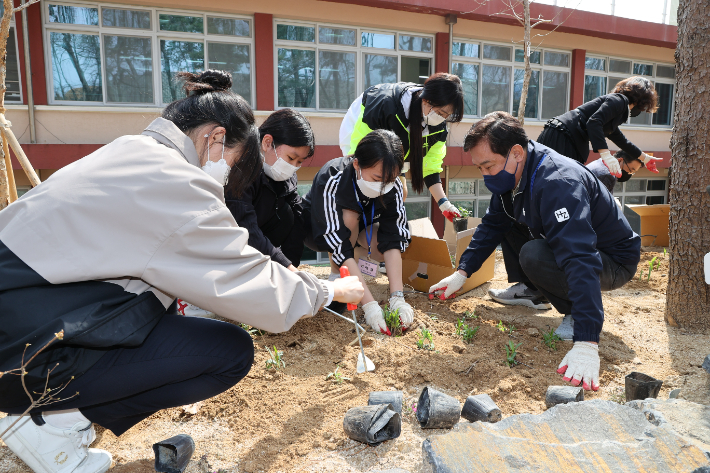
x: 689, y: 419
x: 589, y: 436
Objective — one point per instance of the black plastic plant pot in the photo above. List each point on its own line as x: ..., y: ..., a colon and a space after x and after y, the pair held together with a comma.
x: 460, y: 224
x: 436, y: 410
x: 481, y: 408
x: 172, y: 455
x: 393, y: 398
x: 372, y: 424
x: 563, y: 395
x: 641, y: 386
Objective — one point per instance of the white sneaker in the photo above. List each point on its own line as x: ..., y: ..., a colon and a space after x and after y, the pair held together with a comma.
x: 383, y: 270
x: 520, y: 294
x: 46, y: 449
x: 566, y: 329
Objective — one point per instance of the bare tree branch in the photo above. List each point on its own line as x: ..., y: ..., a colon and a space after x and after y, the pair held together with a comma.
x: 24, y: 5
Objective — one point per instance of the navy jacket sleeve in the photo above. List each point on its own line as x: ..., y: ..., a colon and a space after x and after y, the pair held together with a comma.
x: 566, y: 219
x: 244, y: 213
x: 488, y: 235
x: 393, y: 231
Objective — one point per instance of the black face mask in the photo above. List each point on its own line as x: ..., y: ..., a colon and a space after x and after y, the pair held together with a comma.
x: 635, y: 112
x: 625, y: 176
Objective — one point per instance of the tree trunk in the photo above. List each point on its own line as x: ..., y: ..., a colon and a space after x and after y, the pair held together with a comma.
x: 688, y: 297
x: 528, y: 69
x: 4, y: 32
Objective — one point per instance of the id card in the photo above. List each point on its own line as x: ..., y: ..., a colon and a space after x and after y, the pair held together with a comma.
x: 367, y: 267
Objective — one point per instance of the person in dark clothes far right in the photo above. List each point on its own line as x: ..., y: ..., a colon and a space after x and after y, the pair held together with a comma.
x: 570, y: 135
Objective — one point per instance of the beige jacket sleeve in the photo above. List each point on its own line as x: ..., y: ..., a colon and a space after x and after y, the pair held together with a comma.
x: 207, y: 261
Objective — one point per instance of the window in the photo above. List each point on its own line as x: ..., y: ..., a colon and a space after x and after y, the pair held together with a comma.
x: 471, y: 194
x: 493, y: 76
x: 325, y: 67
x: 600, y: 80
x: 642, y: 191
x: 417, y: 205
x: 13, y: 90
x: 117, y: 55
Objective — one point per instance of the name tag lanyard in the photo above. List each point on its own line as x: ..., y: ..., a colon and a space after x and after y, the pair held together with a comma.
x: 368, y: 236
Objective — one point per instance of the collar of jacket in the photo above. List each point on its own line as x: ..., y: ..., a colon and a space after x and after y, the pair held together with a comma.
x: 165, y: 132
x: 533, y: 159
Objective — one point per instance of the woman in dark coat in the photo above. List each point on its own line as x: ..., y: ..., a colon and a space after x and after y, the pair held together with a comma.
x: 598, y: 119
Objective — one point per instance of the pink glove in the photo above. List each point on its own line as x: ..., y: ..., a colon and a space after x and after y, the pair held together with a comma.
x: 581, y: 365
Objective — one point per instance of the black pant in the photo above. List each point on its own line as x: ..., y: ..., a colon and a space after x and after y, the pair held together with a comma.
x: 533, y: 263
x: 183, y: 360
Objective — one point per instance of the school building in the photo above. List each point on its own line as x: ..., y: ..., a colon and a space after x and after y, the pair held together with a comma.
x: 101, y: 70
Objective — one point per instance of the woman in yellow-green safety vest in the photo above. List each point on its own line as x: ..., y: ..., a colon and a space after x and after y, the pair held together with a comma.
x: 395, y: 107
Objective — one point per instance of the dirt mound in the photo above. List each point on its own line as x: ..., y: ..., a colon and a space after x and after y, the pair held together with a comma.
x: 291, y: 420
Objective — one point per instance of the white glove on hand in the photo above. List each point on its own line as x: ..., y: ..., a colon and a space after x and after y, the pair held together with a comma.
x: 581, y: 365
x: 611, y: 163
x: 375, y: 317
x: 450, y: 211
x: 650, y: 162
x: 406, y: 313
x: 448, y: 285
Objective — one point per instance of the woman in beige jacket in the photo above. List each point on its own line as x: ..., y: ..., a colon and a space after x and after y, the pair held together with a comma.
x: 100, y: 250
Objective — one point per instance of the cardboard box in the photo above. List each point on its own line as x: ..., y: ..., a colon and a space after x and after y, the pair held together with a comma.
x: 650, y: 222
x: 427, y: 259
x: 450, y: 235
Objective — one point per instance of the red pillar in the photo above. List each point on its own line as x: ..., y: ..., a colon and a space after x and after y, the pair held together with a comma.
x: 39, y: 77
x: 264, y: 60
x: 576, y: 96
x: 441, y: 64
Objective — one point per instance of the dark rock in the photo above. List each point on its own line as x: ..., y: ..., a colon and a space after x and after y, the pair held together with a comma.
x: 590, y: 436
x: 563, y: 395
x: 706, y: 364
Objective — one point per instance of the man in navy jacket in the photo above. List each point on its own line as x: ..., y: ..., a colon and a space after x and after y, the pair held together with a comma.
x: 571, y: 239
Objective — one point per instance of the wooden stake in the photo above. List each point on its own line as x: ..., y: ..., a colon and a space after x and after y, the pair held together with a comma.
x: 19, y: 153
x: 10, y: 174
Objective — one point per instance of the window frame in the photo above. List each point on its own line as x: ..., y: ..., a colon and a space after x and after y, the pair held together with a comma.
x: 512, y: 64
x: 615, y: 75
x: 154, y: 33
x: 623, y: 193
x: 19, y: 68
x: 359, y: 50
x: 476, y: 197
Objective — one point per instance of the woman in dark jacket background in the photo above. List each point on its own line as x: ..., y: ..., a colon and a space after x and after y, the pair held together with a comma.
x: 598, y: 119
x: 271, y: 209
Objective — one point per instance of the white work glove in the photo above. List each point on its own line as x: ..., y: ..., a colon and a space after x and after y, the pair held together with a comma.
x: 375, y: 317
x: 650, y: 162
x: 406, y: 313
x: 448, y: 286
x: 581, y: 365
x: 449, y: 210
x: 611, y: 163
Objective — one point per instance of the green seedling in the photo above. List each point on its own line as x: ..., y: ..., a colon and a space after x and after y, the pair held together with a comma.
x: 664, y: 252
x: 426, y: 340
x: 469, y: 333
x: 500, y: 326
x: 465, y: 213
x: 460, y: 327
x: 512, y: 328
x: 653, y: 264
x: 550, y: 339
x: 409, y: 409
x: 338, y: 378
x: 511, y: 351
x: 276, y: 359
x: 640, y: 274
x: 251, y: 330
x: 470, y: 315
x: 392, y: 321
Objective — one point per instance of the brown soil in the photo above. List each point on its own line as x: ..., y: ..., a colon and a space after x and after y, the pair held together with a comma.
x: 291, y: 420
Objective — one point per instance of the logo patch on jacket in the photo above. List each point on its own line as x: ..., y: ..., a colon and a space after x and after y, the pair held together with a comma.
x: 561, y: 215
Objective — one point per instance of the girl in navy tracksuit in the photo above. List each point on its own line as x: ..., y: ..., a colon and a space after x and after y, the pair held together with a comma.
x: 356, y: 207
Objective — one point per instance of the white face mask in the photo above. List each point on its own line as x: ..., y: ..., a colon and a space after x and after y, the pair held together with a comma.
x: 373, y: 189
x: 433, y: 119
x: 280, y: 170
x: 219, y: 171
